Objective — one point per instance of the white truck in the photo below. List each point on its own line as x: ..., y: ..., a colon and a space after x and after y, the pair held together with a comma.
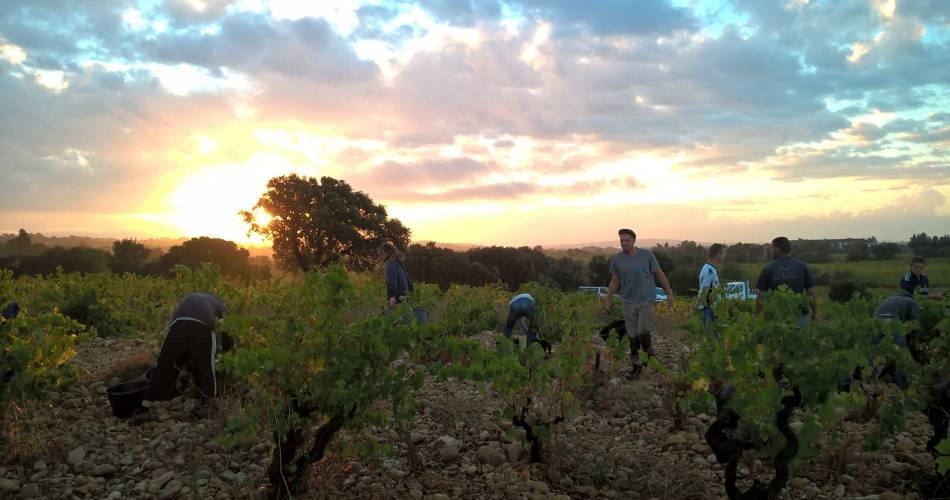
x: 740, y: 290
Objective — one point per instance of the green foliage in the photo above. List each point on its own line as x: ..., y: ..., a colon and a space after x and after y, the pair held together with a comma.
x: 557, y: 313
x: 466, y: 310
x: 306, y: 362
x: 34, y: 350
x: 943, y: 457
x: 229, y: 258
x: 128, y: 256
x: 766, y: 356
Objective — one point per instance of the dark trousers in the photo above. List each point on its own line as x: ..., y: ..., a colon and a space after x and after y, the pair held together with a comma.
x: 637, y: 342
x: 189, y: 345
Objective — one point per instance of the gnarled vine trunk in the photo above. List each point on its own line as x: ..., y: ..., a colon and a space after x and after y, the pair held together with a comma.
x: 728, y: 451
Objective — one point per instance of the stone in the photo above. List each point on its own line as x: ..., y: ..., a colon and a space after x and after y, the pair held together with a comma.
x: 232, y: 477
x: 678, y: 438
x: 840, y: 491
x: 449, y: 452
x: 158, y: 483
x: 489, y: 455
x: 76, y: 456
x: 31, y: 490
x: 171, y: 489
x: 39, y: 465
x: 539, y: 486
x: 514, y: 450
x: 103, y: 470
x: 905, y: 445
x: 8, y: 484
x: 799, y: 483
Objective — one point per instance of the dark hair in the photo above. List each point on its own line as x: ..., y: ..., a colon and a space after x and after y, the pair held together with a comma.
x: 783, y: 245
x: 388, y: 251
x: 917, y: 260
x: 716, y: 250
x: 627, y: 231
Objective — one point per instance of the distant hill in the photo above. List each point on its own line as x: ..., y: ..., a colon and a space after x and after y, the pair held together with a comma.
x: 92, y: 242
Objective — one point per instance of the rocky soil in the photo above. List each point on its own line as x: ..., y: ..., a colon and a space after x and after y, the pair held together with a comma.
x: 623, y: 445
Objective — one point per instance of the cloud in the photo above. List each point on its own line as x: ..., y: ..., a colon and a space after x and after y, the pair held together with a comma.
x: 613, y: 17
x: 758, y: 90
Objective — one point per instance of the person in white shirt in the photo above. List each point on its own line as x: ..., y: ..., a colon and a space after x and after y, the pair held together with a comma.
x: 708, y: 282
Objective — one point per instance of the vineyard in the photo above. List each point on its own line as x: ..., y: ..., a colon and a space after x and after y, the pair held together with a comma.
x: 329, y: 395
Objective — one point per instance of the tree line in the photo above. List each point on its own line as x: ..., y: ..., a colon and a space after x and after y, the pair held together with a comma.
x: 24, y: 257
x: 318, y: 222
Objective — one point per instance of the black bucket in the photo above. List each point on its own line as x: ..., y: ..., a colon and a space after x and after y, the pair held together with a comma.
x: 125, y: 398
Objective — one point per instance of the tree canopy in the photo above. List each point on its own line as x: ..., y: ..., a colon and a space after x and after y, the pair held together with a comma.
x: 319, y: 222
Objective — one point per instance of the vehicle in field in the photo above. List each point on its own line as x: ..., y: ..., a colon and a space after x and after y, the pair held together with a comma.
x: 740, y: 290
x: 601, y: 292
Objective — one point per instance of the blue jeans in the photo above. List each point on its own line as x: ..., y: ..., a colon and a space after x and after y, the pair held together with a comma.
x: 709, y: 319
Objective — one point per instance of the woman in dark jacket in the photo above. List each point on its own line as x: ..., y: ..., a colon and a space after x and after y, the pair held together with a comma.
x: 398, y: 283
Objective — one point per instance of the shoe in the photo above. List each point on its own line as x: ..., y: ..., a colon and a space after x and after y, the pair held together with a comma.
x: 634, y: 373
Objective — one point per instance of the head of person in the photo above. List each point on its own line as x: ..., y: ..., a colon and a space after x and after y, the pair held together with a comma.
x: 917, y: 266
x: 717, y: 252
x: 628, y: 239
x: 781, y: 247
x: 388, y: 251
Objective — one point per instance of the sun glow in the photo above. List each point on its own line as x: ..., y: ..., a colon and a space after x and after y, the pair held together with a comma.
x: 208, y: 202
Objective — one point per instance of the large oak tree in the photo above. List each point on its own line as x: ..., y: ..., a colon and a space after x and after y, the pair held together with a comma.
x: 316, y: 223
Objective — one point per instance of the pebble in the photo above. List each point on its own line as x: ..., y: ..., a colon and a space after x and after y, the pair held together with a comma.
x: 31, y: 490
x: 489, y: 455
x: 76, y: 456
x: 449, y: 452
x: 514, y: 451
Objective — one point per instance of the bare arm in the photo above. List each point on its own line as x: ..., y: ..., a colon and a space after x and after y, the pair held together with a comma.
x: 665, y: 283
x: 612, y: 290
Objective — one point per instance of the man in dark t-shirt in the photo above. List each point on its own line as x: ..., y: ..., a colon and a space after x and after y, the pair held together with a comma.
x: 190, y: 343
x: 789, y: 271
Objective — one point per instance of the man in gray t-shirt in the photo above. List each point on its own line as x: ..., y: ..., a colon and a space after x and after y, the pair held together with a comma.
x: 633, y: 273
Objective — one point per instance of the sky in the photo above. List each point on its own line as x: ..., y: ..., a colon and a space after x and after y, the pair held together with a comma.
x: 516, y: 122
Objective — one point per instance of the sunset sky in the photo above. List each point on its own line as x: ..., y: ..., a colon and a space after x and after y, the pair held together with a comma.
x: 511, y: 122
